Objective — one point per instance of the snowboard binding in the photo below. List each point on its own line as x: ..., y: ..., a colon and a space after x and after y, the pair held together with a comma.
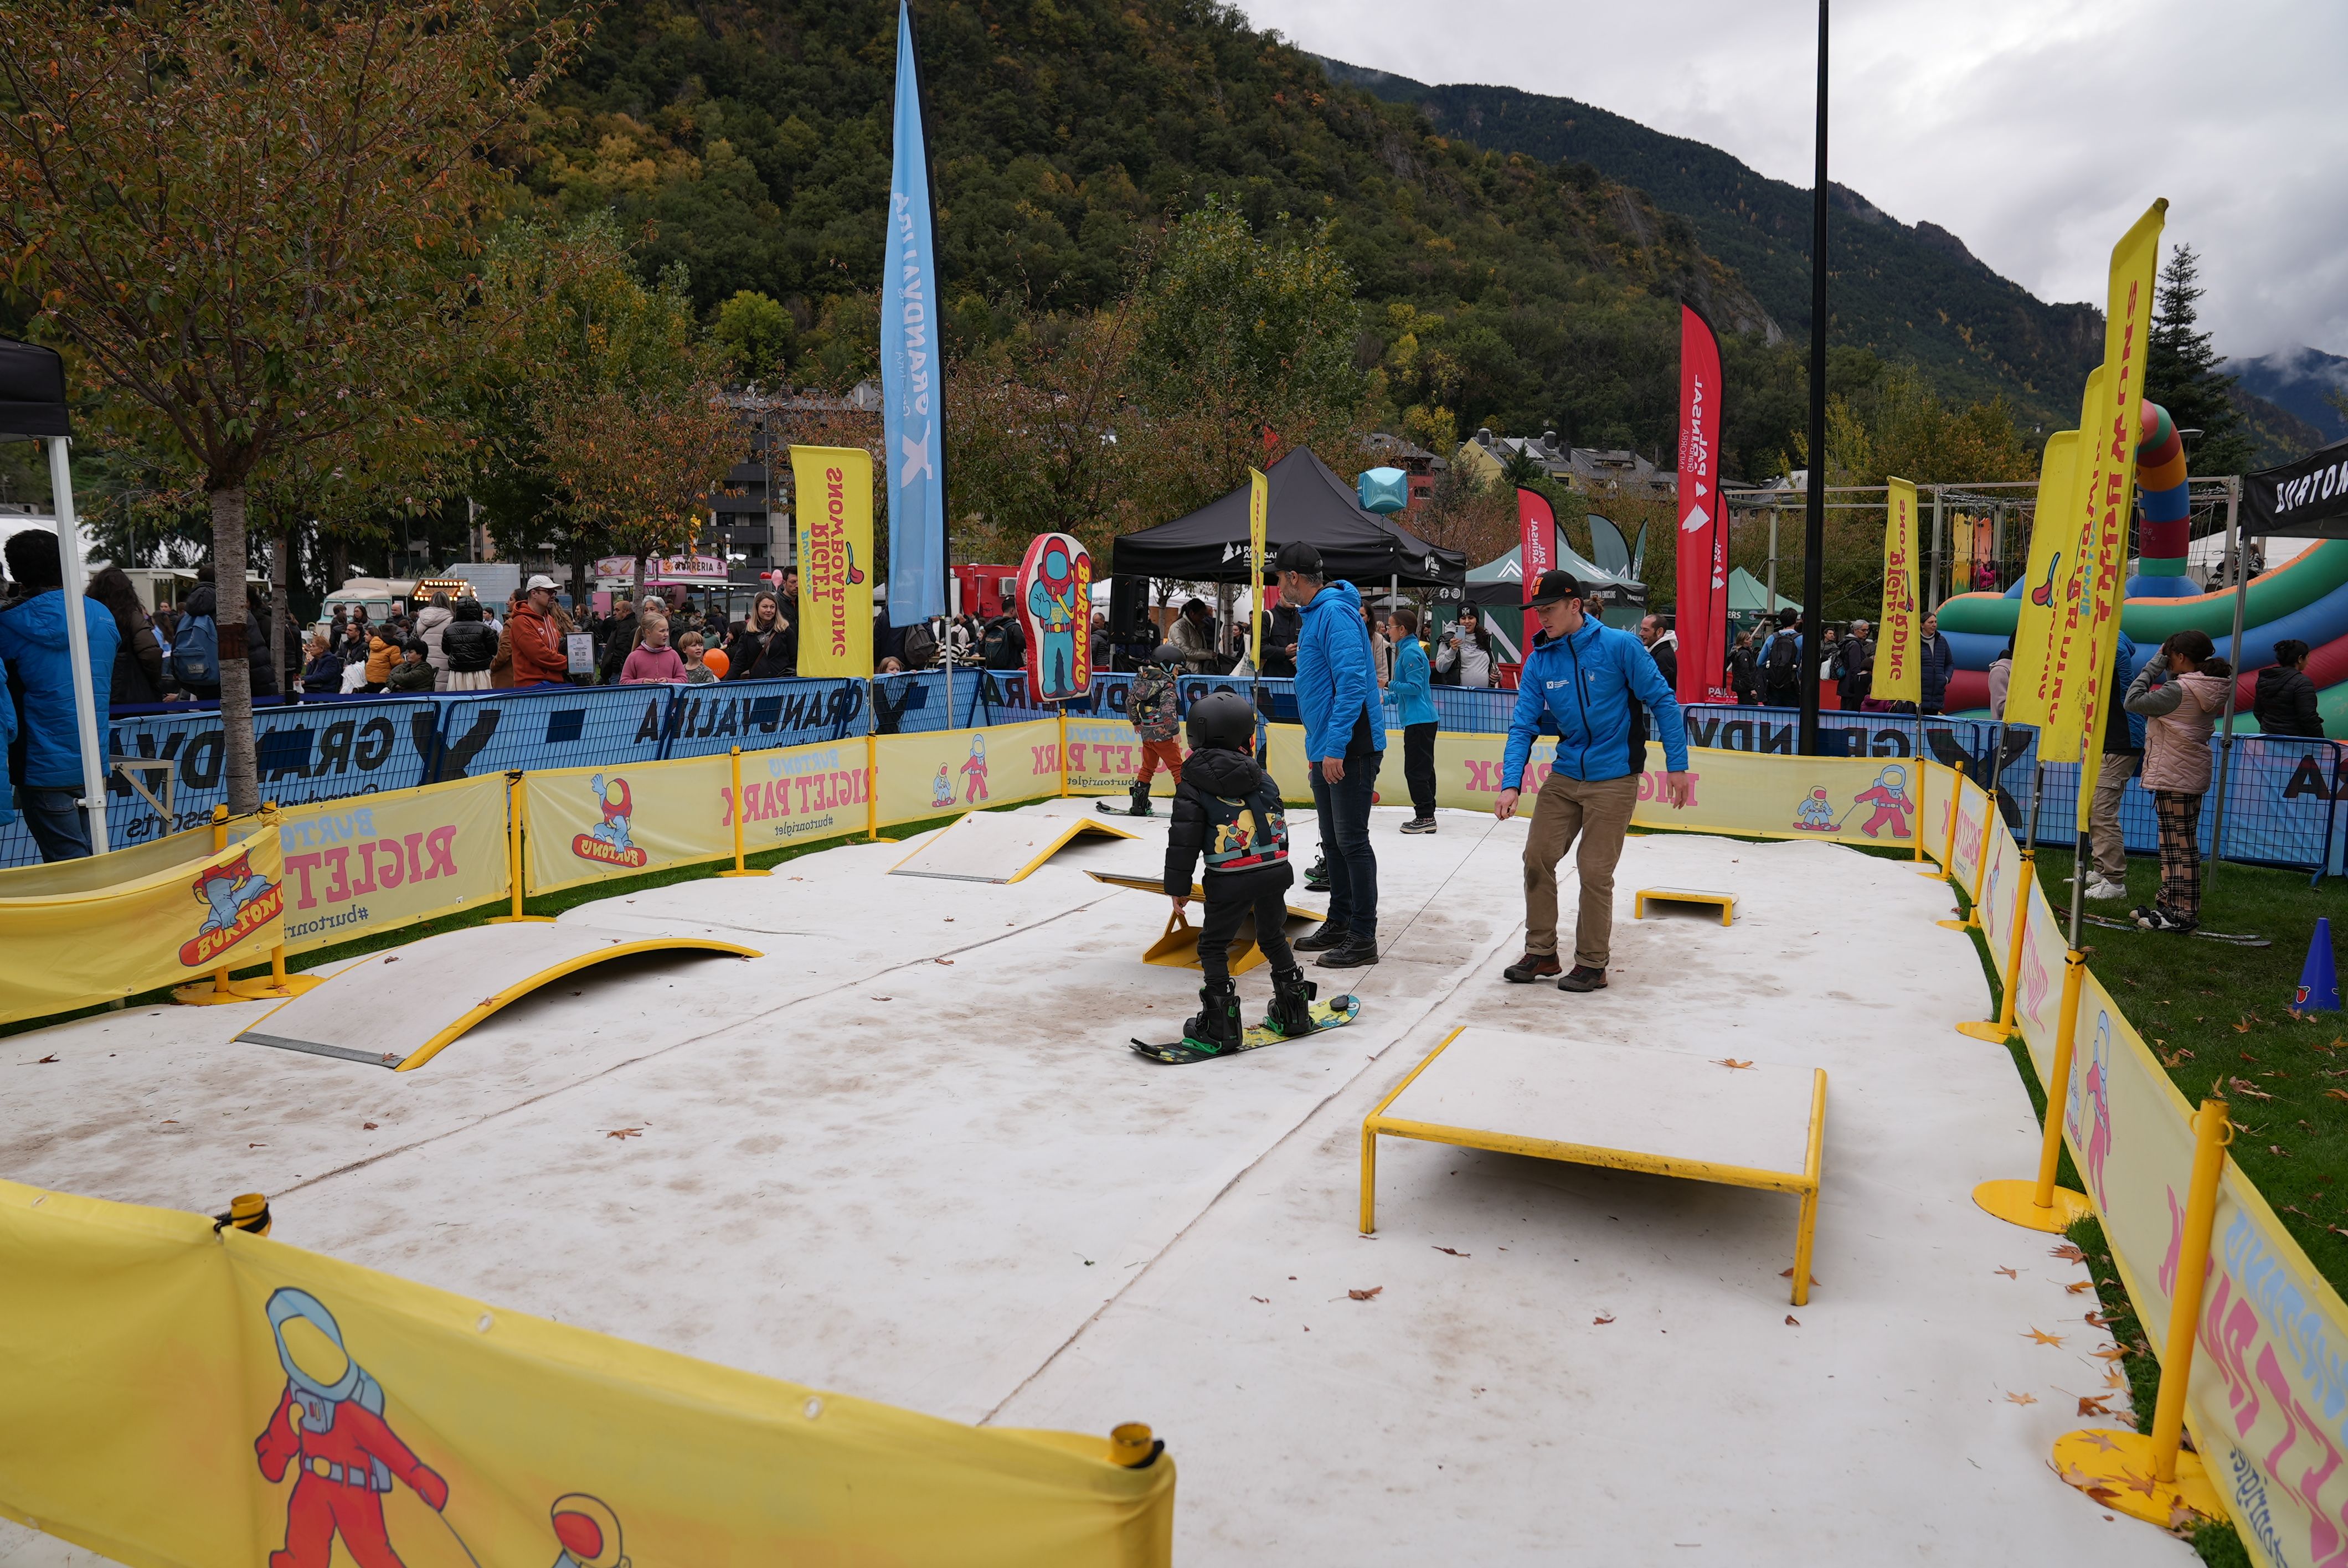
x: 1290, y: 1015
x: 1216, y: 1029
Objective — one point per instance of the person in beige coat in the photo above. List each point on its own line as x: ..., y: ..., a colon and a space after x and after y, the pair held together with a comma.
x: 2180, y: 692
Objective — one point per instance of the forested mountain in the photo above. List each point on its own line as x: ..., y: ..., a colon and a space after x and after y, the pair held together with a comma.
x: 1905, y: 291
x: 749, y: 140
x: 2302, y: 383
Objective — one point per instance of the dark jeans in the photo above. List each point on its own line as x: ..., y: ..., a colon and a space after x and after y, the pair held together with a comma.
x: 59, y: 826
x: 1232, y: 897
x: 1344, y: 808
x: 1419, y: 767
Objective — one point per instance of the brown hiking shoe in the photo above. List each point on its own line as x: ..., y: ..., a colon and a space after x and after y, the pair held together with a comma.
x: 1583, y: 979
x: 1530, y: 968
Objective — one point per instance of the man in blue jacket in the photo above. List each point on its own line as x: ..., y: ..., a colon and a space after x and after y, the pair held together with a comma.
x: 40, y: 685
x: 1584, y: 682
x: 1414, y: 694
x: 1344, y: 742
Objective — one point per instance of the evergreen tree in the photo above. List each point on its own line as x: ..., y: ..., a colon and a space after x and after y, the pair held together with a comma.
x: 2182, y: 373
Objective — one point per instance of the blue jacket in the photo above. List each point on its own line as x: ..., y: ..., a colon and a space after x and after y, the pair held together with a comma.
x: 7, y: 743
x: 1587, y: 688
x: 1413, y: 685
x: 1336, y: 681
x: 1938, y: 661
x: 40, y: 677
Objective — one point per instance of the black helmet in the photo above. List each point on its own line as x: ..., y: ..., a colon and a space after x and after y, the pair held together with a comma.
x: 1166, y: 653
x: 1222, y: 718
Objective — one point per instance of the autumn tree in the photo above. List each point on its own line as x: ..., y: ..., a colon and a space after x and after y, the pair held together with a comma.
x: 1043, y: 436
x: 635, y: 457
x: 244, y: 221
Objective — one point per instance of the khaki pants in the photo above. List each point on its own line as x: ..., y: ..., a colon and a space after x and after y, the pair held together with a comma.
x: 2105, y: 845
x: 1596, y: 814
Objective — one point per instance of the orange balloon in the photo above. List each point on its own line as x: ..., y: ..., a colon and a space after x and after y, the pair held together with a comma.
x: 716, y: 659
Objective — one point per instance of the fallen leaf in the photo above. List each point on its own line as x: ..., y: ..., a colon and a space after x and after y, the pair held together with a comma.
x: 1794, y: 1320
x: 2069, y: 1252
x: 2102, y: 1442
x: 2243, y: 1086
x: 1363, y: 1295
x: 624, y: 1132
x: 2094, y: 1404
x: 1788, y: 1274
x: 2024, y: 1398
x: 393, y: 959
x: 256, y: 1145
x: 1604, y: 1318
x: 2007, y: 1272
x: 2111, y: 1352
x: 2181, y: 1517
x: 2143, y: 1483
x: 884, y: 999
x: 2279, y: 1152
x: 2095, y: 1320
x: 1731, y: 1062
x: 942, y: 960
x: 49, y: 1058
x: 366, y: 1126
x: 2077, y: 1285
x: 2045, y: 1339
x: 1265, y: 1299
x: 1453, y: 1251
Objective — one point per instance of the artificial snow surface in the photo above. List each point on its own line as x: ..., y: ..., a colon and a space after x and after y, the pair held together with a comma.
x: 906, y: 1155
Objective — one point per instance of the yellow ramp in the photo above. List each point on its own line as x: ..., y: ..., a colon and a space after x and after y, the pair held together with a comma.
x: 999, y: 845
x: 397, y: 1008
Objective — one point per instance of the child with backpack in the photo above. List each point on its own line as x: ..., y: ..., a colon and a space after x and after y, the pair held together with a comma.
x: 1781, y: 664
x: 1227, y: 809
x: 2180, y: 692
x: 1151, y: 708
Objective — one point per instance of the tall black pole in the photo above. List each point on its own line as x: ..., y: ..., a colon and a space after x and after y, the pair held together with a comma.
x: 1814, y: 523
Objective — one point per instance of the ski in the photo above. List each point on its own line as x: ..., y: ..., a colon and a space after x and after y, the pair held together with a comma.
x: 1111, y: 810
x: 2235, y: 938
x: 1334, y: 1013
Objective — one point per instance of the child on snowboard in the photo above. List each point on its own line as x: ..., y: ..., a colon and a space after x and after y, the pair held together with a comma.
x: 1227, y: 809
x: 1150, y: 705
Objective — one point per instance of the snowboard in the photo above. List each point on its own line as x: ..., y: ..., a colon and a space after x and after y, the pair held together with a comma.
x: 1334, y: 1013
x: 1120, y: 808
x: 2236, y: 938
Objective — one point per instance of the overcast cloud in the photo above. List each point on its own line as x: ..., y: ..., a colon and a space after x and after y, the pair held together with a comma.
x: 1989, y: 118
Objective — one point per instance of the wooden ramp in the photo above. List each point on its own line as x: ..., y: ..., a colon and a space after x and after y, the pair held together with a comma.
x: 999, y: 845
x: 398, y: 1008
x: 1743, y: 1123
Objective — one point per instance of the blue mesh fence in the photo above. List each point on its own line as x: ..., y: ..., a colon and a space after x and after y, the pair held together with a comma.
x: 763, y: 715
x: 551, y: 727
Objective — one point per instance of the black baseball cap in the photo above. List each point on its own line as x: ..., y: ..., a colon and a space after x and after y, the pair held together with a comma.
x: 1300, y: 557
x: 1556, y: 588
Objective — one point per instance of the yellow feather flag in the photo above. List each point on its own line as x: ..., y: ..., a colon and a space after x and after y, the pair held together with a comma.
x: 1898, y: 675
x: 1259, y: 516
x: 835, y: 555
x: 2035, y: 630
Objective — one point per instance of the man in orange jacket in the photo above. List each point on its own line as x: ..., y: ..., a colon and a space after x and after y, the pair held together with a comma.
x: 538, y: 653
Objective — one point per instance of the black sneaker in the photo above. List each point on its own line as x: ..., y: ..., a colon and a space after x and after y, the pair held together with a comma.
x: 2162, y: 919
x: 1322, y: 938
x: 1316, y: 876
x: 1532, y: 967
x: 1419, y: 825
x: 1582, y: 978
x: 1353, y: 953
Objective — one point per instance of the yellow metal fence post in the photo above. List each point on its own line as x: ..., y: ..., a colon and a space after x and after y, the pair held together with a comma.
x: 1949, y: 851
x: 739, y: 870
x: 2145, y: 1473
x: 2003, y: 1027
x: 219, y: 990
x: 517, y: 803
x: 872, y: 786
x: 1064, y: 754
x: 2040, y: 1204
x: 280, y: 985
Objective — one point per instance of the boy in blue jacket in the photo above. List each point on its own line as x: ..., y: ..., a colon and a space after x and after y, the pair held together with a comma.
x: 1344, y: 742
x: 1583, y: 680
x: 40, y: 683
x: 1414, y: 694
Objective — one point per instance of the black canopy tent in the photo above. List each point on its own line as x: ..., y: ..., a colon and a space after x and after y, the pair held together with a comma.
x: 2303, y: 499
x: 1308, y: 504
x: 32, y: 392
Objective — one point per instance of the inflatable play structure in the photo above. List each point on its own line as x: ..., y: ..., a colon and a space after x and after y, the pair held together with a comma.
x: 2305, y: 598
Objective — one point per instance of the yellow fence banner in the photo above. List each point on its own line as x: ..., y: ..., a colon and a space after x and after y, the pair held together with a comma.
x: 271, y: 1400
x: 1104, y: 755
x: 217, y: 908
x: 2030, y: 693
x: 937, y: 772
x: 1899, y: 674
x: 596, y: 824
x: 125, y: 862
x: 374, y: 862
x: 834, y: 529
x: 797, y: 792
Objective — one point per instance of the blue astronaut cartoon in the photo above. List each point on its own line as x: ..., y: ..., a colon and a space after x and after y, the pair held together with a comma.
x: 226, y: 889
x: 619, y: 807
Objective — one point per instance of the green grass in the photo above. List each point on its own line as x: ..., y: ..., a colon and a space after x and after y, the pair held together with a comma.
x: 548, y: 903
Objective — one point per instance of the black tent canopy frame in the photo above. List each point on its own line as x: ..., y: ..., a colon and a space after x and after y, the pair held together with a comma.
x: 1309, y: 504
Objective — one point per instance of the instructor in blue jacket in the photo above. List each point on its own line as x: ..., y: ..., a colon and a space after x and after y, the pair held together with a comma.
x: 1344, y: 742
x: 1583, y: 682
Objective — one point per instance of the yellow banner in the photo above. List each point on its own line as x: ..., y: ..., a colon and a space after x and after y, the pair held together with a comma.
x: 71, y: 950
x: 935, y: 773
x: 1899, y: 678
x: 271, y: 1400
x: 597, y: 824
x: 371, y: 862
x: 2028, y: 693
x: 835, y: 559
x: 797, y: 792
x: 1258, y: 518
x: 1104, y: 755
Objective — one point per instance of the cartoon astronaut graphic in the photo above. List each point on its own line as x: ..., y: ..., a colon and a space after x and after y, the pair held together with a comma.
x: 1815, y: 815
x: 1889, y: 795
x: 1052, y: 602
x: 588, y: 1532
x: 942, y: 786
x: 226, y: 889
x: 973, y: 771
x: 2089, y: 1110
x: 329, y: 1426
x: 618, y: 805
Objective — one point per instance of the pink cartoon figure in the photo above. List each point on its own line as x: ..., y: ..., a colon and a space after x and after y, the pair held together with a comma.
x: 973, y: 771
x: 1889, y: 796
x: 619, y: 808
x: 2090, y: 1110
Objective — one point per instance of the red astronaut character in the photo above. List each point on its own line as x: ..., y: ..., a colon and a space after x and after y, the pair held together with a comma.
x: 1889, y: 796
x: 329, y: 1426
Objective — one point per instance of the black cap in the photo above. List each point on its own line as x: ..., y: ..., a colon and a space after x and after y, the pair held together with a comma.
x: 1556, y: 588
x: 1299, y: 558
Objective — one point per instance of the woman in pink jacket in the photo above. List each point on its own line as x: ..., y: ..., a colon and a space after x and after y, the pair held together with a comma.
x: 2180, y: 692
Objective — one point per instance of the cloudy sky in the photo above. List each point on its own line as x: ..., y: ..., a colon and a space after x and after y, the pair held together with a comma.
x: 2035, y: 129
